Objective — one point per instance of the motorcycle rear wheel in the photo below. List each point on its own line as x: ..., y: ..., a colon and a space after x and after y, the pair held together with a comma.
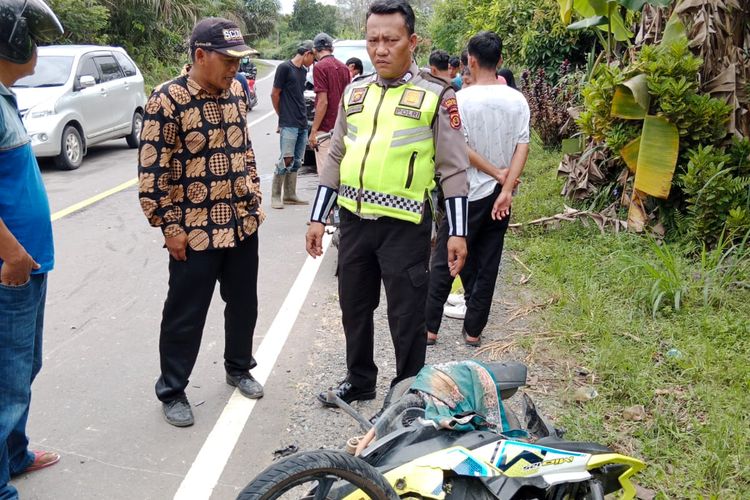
x: 314, y: 474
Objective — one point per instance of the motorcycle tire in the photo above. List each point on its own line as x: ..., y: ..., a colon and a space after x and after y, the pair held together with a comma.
x: 324, y: 467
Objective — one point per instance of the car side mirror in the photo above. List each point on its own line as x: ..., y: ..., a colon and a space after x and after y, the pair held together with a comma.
x: 86, y: 81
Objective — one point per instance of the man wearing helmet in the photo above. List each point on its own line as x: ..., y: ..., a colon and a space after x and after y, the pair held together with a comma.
x: 26, y: 251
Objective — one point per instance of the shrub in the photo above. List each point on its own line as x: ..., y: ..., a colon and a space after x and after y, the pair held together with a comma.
x: 549, y: 103
x: 715, y: 193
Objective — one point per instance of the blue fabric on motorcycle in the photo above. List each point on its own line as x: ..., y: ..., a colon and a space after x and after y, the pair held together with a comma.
x: 463, y: 395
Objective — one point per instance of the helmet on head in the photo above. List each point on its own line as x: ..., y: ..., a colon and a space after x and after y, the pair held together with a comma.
x: 23, y: 24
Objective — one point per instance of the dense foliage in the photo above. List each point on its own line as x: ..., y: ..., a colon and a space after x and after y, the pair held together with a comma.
x: 532, y: 32
x: 711, y: 188
x: 155, y: 32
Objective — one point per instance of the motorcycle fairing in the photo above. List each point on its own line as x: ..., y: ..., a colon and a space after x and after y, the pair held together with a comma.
x: 518, y: 459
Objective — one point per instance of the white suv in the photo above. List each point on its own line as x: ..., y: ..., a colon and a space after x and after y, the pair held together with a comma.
x: 80, y: 95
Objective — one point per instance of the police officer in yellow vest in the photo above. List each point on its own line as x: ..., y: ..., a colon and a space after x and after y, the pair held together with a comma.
x: 396, y: 131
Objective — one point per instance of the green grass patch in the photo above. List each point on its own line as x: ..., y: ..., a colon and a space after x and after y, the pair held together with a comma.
x: 661, y: 327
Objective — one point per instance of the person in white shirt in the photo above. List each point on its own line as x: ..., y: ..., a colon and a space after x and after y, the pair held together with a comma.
x: 495, y: 121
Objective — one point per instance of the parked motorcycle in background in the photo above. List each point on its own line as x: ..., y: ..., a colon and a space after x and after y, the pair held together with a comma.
x: 249, y: 71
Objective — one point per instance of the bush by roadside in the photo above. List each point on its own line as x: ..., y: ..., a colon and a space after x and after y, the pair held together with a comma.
x: 657, y: 330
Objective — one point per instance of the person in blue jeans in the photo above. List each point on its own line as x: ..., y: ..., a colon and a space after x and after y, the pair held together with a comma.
x: 288, y: 98
x: 26, y: 250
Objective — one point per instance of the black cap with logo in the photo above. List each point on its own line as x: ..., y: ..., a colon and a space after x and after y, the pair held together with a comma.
x: 323, y: 41
x: 220, y: 35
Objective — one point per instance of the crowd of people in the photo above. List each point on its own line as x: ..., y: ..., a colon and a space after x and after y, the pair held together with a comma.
x: 401, y: 153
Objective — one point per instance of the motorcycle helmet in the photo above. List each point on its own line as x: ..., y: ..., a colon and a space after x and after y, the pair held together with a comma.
x: 23, y: 24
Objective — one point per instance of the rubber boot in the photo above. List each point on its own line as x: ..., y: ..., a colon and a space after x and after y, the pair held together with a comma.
x: 290, y: 190
x: 278, y: 182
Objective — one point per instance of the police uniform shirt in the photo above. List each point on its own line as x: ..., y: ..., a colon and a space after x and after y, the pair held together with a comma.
x: 450, y: 161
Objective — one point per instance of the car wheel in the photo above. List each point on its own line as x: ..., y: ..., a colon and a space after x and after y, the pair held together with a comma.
x: 134, y: 138
x: 71, y: 149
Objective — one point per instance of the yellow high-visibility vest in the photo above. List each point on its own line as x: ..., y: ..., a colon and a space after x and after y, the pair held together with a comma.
x: 389, y: 165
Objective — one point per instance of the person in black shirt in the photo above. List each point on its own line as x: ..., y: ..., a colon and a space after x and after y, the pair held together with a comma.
x: 289, y: 102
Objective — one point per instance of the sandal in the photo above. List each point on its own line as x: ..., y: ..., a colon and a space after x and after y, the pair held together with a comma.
x: 431, y: 338
x: 42, y: 459
x: 469, y: 342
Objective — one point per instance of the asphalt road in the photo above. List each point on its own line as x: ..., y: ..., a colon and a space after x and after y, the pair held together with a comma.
x: 94, y: 399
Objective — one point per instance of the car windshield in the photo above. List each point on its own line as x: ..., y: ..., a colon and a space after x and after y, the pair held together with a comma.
x: 50, y: 71
x: 344, y: 52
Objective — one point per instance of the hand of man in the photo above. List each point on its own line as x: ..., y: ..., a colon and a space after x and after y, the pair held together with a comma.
x: 501, y: 175
x: 313, y: 139
x: 177, y: 246
x: 17, y: 271
x: 501, y: 208
x: 456, y: 254
x: 314, y: 239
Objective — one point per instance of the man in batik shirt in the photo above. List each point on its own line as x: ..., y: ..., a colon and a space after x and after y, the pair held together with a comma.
x: 199, y: 184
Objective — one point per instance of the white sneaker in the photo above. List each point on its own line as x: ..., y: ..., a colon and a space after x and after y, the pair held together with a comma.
x: 456, y: 299
x: 455, y: 312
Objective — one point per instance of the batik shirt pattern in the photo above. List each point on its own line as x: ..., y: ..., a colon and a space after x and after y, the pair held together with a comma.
x: 196, y: 165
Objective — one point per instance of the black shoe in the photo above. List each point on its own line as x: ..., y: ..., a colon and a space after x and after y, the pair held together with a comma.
x: 348, y: 393
x: 178, y: 413
x: 248, y: 386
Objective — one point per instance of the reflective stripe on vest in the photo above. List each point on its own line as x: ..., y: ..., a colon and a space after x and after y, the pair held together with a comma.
x: 388, y: 168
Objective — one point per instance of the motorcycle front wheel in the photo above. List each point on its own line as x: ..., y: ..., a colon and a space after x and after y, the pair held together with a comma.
x: 319, y: 475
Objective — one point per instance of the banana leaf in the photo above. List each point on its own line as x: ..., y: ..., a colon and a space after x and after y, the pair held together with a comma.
x: 589, y: 22
x: 566, y: 10
x: 630, y: 154
x: 592, y: 8
x: 637, y: 217
x: 631, y: 99
x: 674, y: 30
x: 657, y: 156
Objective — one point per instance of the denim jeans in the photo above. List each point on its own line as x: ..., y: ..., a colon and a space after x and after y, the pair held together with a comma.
x: 293, y: 141
x: 21, y: 321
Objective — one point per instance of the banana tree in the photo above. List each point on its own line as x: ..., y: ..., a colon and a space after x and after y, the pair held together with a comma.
x: 652, y: 157
x: 606, y: 16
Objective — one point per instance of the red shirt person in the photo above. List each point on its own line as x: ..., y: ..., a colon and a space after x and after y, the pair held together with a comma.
x: 330, y: 77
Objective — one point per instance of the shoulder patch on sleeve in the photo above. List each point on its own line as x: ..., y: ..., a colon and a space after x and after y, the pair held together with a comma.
x: 451, y: 106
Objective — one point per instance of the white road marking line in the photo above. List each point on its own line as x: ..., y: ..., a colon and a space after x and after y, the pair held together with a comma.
x: 208, y: 466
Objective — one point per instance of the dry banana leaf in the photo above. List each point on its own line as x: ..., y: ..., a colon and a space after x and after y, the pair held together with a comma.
x: 657, y: 156
x: 630, y: 154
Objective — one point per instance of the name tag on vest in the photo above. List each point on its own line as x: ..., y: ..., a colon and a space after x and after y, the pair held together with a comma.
x: 408, y: 113
x: 357, y: 108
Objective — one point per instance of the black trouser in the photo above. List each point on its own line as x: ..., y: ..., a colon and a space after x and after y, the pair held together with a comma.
x: 397, y: 252
x: 191, y: 286
x: 484, y: 243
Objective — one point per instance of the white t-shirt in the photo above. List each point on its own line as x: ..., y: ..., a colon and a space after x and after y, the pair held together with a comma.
x: 495, y: 119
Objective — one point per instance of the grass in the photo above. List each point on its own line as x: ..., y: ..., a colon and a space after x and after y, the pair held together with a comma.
x: 661, y: 328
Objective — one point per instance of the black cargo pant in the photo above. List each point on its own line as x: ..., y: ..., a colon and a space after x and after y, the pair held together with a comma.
x: 191, y: 286
x: 396, y: 252
x: 484, y: 244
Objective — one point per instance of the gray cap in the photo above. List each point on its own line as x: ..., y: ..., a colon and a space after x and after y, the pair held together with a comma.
x: 323, y: 41
x: 305, y: 46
